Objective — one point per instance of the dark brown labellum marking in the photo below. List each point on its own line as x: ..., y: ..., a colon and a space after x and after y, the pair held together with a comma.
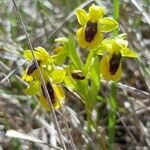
x: 114, y: 63
x: 50, y: 91
x: 90, y: 31
x: 32, y: 67
x: 78, y: 75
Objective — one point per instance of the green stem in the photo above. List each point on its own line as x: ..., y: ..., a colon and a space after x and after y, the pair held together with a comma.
x: 116, y: 11
x: 112, y: 115
x: 112, y: 101
x: 88, y: 61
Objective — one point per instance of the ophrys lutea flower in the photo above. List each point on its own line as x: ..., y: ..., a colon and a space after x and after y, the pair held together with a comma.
x: 90, y: 35
x: 55, y: 92
x: 43, y: 59
x: 51, y: 75
x: 113, y: 50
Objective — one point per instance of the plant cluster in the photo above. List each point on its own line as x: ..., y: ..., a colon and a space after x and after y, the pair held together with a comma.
x: 103, y: 61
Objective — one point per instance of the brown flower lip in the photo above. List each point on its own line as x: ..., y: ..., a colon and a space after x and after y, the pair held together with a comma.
x: 32, y: 67
x: 50, y: 91
x: 90, y: 31
x: 114, y: 63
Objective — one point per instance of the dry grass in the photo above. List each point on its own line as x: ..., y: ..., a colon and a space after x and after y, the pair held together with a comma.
x: 45, y: 20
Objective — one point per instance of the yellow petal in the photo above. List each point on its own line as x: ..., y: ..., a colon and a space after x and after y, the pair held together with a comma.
x: 28, y: 55
x: 44, y: 103
x: 59, y: 95
x: 27, y: 78
x: 81, y: 16
x: 57, y: 105
x: 58, y: 92
x: 104, y: 69
x: 96, y: 12
x: 41, y: 53
x: 91, y: 45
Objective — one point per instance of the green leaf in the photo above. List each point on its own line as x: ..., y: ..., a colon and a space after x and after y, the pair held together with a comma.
x: 58, y: 75
x: 88, y: 62
x: 107, y: 24
x: 126, y: 52
x: 81, y: 16
x: 33, y: 88
x: 69, y: 82
x: 72, y: 52
x: 95, y: 80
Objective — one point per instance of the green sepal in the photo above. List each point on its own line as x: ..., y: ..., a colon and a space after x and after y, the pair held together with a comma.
x: 107, y: 24
x: 104, y: 47
x: 58, y: 75
x: 126, y: 52
x: 81, y: 16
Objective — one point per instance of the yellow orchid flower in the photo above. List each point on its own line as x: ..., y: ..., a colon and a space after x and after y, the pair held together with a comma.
x: 42, y: 57
x: 40, y: 54
x: 90, y: 35
x: 55, y: 92
x: 110, y: 66
x: 113, y: 50
x: 30, y: 70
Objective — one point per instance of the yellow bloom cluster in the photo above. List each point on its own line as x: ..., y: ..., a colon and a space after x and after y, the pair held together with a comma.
x: 50, y: 74
x: 113, y: 50
x: 90, y: 35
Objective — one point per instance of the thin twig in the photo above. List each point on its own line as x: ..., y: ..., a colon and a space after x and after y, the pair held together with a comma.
x: 147, y: 18
x: 16, y: 76
x: 10, y: 73
x: 69, y: 133
x: 77, y: 127
x: 127, y: 88
x: 19, y: 135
